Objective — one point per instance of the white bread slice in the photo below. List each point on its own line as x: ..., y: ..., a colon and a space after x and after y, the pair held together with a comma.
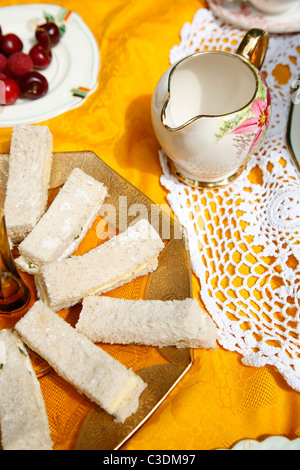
x: 180, y: 323
x: 86, y: 366
x: 23, y: 418
x: 30, y: 165
x: 124, y: 257
x: 59, y: 232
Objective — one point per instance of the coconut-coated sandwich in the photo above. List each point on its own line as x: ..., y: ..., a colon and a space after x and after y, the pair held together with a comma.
x: 60, y: 230
x: 180, y: 323
x: 86, y: 366
x: 23, y: 418
x: 124, y: 257
x: 30, y: 163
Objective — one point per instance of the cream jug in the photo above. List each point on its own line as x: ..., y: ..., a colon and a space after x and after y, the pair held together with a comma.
x: 211, y: 110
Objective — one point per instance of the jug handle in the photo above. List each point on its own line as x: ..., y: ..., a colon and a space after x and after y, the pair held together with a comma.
x: 254, y: 47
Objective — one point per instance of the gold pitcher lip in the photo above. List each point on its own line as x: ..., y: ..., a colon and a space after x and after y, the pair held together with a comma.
x: 234, y: 56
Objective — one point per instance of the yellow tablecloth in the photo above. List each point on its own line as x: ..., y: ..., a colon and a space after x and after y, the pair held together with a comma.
x: 219, y: 401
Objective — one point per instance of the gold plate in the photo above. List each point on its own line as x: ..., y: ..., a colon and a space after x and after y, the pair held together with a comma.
x: 161, y: 368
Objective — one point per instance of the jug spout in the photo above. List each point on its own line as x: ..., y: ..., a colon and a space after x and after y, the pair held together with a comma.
x: 184, y: 101
x: 174, y: 117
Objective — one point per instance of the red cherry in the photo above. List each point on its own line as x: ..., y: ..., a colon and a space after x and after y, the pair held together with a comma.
x: 40, y: 56
x: 11, y: 91
x: 33, y: 85
x: 11, y: 43
x: 43, y: 37
x: 18, y: 64
x: 3, y: 62
x: 51, y: 29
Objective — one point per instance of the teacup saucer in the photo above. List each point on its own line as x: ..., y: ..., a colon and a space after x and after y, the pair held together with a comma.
x: 245, y: 16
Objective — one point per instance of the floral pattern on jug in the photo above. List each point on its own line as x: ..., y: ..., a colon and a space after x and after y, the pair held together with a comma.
x: 254, y: 121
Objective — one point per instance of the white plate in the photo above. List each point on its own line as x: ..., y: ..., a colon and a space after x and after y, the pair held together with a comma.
x: 271, y: 443
x: 75, y: 62
x: 245, y: 16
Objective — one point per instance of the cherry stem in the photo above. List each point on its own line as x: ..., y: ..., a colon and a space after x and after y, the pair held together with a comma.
x: 48, y: 38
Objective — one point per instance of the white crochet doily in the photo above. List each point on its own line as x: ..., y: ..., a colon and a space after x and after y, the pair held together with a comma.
x: 245, y: 238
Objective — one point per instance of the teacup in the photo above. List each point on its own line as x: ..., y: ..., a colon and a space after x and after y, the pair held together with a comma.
x: 211, y: 110
x: 273, y: 6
